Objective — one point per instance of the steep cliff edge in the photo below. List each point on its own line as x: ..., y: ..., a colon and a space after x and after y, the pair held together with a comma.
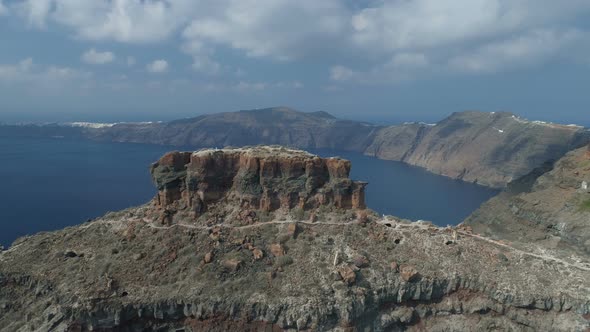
x: 551, y: 206
x: 310, y: 264
x: 259, y: 179
x: 491, y: 149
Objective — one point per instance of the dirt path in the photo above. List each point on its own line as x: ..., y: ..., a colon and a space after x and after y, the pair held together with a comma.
x: 393, y: 225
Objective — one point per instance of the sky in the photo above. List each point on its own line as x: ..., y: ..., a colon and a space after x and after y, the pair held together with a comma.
x: 379, y: 61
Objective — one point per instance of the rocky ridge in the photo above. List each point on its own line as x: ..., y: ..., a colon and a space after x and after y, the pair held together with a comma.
x: 491, y: 149
x: 344, y: 269
x: 550, y: 206
x: 264, y: 178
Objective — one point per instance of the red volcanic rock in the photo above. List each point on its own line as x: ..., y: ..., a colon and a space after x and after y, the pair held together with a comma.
x: 258, y: 178
x: 277, y: 250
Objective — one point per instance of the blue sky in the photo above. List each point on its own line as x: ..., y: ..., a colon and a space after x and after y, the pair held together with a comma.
x: 382, y: 61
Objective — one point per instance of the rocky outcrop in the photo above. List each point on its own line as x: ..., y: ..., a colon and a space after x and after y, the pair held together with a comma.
x: 343, y: 270
x: 491, y: 149
x: 256, y: 179
x: 550, y: 206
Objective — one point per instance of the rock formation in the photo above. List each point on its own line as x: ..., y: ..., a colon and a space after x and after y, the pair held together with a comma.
x: 491, y: 149
x: 550, y: 207
x: 343, y: 270
x: 260, y: 178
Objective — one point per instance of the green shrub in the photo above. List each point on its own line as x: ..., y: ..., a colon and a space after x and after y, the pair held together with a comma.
x: 585, y: 206
x: 284, y: 261
x: 298, y: 214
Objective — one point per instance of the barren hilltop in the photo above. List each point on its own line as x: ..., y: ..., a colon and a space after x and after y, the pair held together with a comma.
x: 271, y: 239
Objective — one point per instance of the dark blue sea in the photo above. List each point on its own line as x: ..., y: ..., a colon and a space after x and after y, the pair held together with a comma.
x: 47, y: 184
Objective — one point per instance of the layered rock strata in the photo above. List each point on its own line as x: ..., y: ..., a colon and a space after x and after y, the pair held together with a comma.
x: 259, y: 178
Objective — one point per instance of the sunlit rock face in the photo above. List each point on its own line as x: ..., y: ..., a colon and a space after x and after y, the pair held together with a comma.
x: 263, y: 178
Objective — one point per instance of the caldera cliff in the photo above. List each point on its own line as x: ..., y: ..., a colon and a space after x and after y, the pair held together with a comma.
x: 489, y: 148
x: 275, y: 239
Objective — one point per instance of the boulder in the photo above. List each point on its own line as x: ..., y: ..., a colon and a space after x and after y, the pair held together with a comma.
x: 409, y: 273
x: 360, y: 261
x: 208, y: 258
x: 232, y: 264
x: 277, y: 250
x: 347, y: 274
x: 258, y: 254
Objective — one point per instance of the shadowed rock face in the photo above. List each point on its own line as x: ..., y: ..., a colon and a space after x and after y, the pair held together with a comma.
x: 260, y: 178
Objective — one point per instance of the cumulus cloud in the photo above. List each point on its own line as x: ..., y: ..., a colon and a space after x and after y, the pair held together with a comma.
x: 97, y: 58
x: 281, y: 29
x: 134, y: 21
x: 524, y: 50
x: 3, y: 9
x: 341, y: 73
x: 395, y: 37
x: 402, y: 25
x: 202, y: 57
x: 158, y: 66
x: 29, y: 72
x: 412, y: 60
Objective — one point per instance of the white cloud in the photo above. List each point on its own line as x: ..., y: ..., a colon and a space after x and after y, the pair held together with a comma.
x: 3, y: 9
x: 158, y: 66
x: 250, y: 86
x: 341, y: 73
x: 134, y: 21
x: 420, y: 24
x: 396, y: 38
x: 17, y: 71
x: 525, y: 50
x: 97, y: 58
x: 281, y: 29
x: 36, y: 11
x: 28, y: 72
x: 202, y: 57
x: 411, y: 60
x: 130, y: 61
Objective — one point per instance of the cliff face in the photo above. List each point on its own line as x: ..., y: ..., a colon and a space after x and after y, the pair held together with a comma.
x: 261, y: 179
x: 223, y: 268
x: 550, y: 206
x: 491, y: 148
x: 488, y: 148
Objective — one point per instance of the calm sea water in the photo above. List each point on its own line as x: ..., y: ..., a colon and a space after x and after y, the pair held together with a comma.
x: 48, y: 184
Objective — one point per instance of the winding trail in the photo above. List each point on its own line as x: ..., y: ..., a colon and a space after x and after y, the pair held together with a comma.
x: 392, y: 225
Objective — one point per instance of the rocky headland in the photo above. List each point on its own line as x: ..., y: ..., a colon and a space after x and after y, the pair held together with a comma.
x: 272, y: 239
x: 490, y: 149
x: 549, y: 207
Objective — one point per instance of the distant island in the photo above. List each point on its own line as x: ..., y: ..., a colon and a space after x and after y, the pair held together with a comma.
x: 490, y: 149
